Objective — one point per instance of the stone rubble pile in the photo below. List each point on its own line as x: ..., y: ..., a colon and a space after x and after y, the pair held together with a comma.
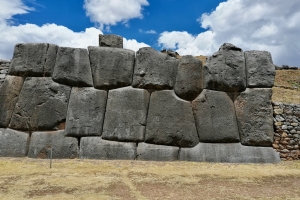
x: 287, y: 130
x: 109, y: 103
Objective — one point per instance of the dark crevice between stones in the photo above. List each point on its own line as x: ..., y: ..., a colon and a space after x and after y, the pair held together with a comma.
x: 147, y: 113
x: 178, y: 155
x: 104, y: 113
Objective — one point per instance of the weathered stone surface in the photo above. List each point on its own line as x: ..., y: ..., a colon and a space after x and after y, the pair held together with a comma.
x: 255, y: 117
x: 111, y: 67
x: 230, y: 152
x: 225, y: 70
x: 215, y: 117
x: 33, y: 59
x: 62, y: 147
x: 154, y: 70
x: 189, y: 81
x: 157, y: 152
x: 72, y: 67
x: 42, y: 105
x: 260, y: 69
x: 170, y: 121
x: 96, y: 148
x: 110, y: 40
x: 9, y: 92
x: 13, y: 143
x: 126, y: 114
x: 85, y: 112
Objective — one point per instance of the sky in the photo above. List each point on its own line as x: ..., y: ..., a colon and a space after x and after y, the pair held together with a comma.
x: 190, y: 27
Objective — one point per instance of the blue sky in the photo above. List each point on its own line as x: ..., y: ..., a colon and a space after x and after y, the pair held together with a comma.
x: 188, y: 27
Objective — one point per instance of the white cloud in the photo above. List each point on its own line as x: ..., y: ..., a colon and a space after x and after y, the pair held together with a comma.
x: 271, y: 25
x: 133, y: 44
x: 48, y: 33
x: 147, y: 32
x: 108, y: 12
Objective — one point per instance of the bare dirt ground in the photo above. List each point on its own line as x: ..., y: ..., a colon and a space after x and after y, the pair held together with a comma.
x: 24, y: 178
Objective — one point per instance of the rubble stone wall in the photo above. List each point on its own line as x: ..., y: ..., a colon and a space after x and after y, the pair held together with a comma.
x: 107, y: 102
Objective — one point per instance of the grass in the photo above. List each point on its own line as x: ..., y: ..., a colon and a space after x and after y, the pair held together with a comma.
x: 96, y: 179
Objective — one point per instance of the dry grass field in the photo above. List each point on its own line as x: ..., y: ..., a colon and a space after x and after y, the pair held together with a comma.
x: 24, y: 178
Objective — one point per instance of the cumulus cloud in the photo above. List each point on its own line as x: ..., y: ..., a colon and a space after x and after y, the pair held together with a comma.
x: 48, y: 33
x: 271, y: 25
x: 107, y: 12
x: 133, y: 44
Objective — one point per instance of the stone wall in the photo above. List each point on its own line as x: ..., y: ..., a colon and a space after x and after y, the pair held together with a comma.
x: 4, y: 66
x: 287, y: 130
x: 107, y: 102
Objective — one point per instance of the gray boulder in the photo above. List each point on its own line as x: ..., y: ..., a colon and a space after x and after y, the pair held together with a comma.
x: 215, y: 117
x: 9, y: 92
x: 225, y: 70
x: 154, y: 70
x: 170, y: 121
x: 157, y: 152
x: 189, y: 81
x: 42, y: 105
x: 126, y: 114
x: 13, y: 143
x: 33, y: 59
x: 62, y: 147
x: 255, y: 117
x: 72, y: 67
x: 111, y: 67
x: 110, y: 40
x: 260, y: 69
x: 229, y: 153
x: 85, y: 112
x: 96, y: 148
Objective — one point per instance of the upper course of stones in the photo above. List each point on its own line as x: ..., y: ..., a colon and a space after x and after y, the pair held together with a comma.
x: 120, y: 105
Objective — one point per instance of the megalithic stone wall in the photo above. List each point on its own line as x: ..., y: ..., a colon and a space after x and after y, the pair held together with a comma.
x: 108, y: 103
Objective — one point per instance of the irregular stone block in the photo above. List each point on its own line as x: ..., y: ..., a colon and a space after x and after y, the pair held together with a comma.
x: 96, y: 148
x: 126, y: 114
x: 154, y: 70
x: 260, y: 69
x: 255, y: 117
x: 215, y: 121
x: 62, y: 147
x: 170, y: 121
x: 42, y: 105
x: 225, y: 70
x: 229, y: 153
x: 13, y: 143
x: 111, y: 67
x: 72, y: 67
x: 157, y: 152
x: 189, y: 81
x: 33, y: 59
x: 110, y: 40
x: 85, y: 112
x: 9, y: 92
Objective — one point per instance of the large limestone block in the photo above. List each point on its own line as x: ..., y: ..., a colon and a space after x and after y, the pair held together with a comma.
x: 72, y: 67
x: 154, y: 70
x: 225, y: 70
x: 215, y: 117
x: 229, y: 153
x: 126, y: 114
x: 85, y: 112
x: 111, y: 67
x: 170, y: 121
x: 13, y: 143
x: 156, y: 152
x: 33, y: 59
x: 96, y: 148
x: 9, y: 92
x: 110, y: 40
x: 255, y: 117
x: 42, y: 105
x: 62, y: 147
x: 260, y: 69
x: 189, y: 79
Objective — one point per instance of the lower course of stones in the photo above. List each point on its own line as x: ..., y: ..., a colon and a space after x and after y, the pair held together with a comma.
x: 105, y: 103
